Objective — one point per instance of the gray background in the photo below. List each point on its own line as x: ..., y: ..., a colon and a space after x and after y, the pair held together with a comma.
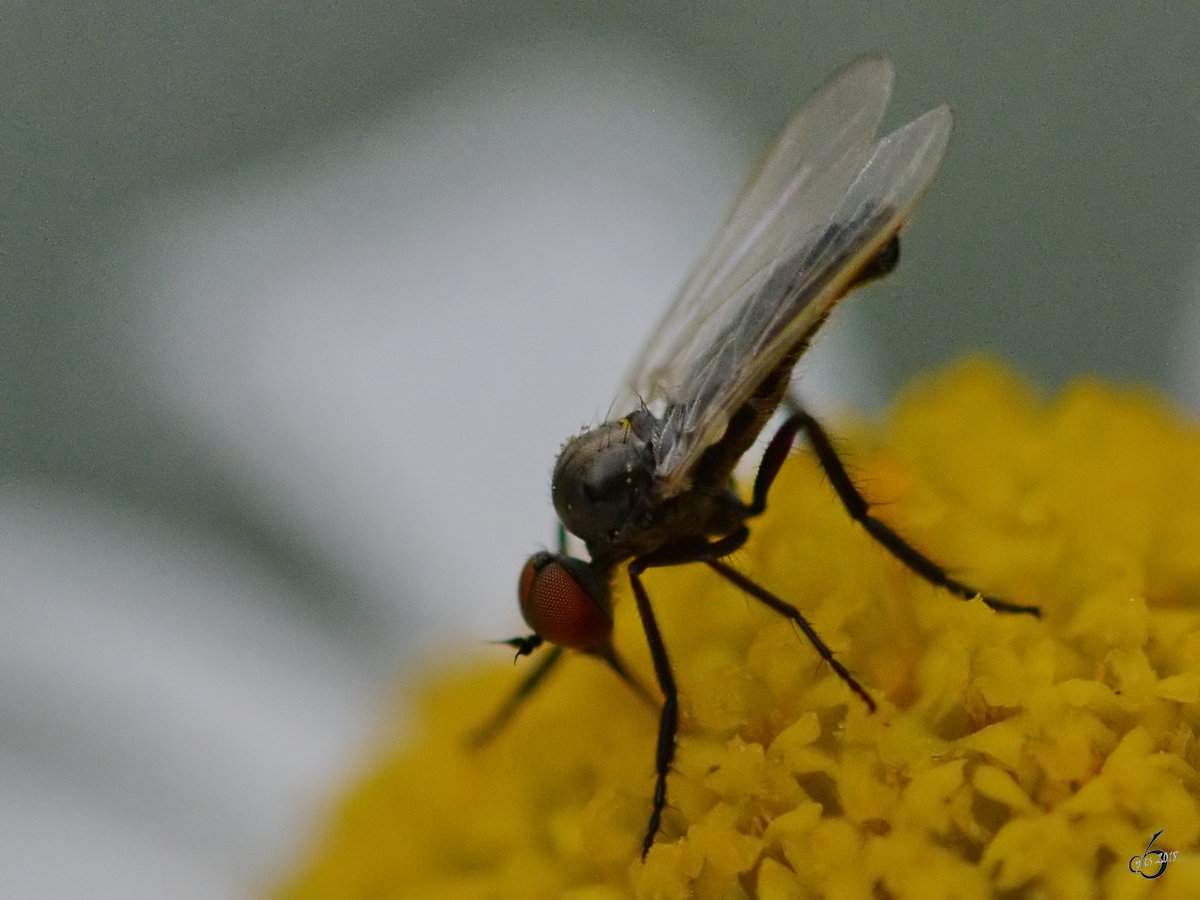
x: 297, y: 301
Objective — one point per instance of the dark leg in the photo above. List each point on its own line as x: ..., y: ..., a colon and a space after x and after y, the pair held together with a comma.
x: 859, y: 510
x: 772, y: 461
x: 609, y: 654
x: 764, y: 596
x: 710, y: 553
x: 482, y: 735
x: 668, y: 722
x: 489, y: 729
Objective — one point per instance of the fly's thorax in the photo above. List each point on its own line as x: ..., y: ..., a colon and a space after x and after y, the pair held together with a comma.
x: 603, y: 479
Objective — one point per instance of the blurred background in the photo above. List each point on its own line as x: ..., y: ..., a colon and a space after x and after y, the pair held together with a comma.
x: 298, y: 301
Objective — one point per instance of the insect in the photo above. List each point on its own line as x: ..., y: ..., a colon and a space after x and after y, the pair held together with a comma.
x: 652, y: 487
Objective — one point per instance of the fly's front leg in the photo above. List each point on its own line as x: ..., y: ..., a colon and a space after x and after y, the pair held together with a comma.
x: 710, y: 553
x: 668, y: 724
x: 482, y: 735
x: 860, y: 510
x: 525, y: 646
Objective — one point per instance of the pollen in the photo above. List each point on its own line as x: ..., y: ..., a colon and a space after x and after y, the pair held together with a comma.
x: 1007, y: 754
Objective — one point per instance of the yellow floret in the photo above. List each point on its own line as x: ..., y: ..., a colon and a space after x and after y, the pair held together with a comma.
x: 1007, y: 753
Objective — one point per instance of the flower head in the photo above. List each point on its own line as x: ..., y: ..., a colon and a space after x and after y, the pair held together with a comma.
x: 1007, y: 753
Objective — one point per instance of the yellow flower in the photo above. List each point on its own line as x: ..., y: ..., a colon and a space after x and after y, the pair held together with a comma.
x: 1007, y: 753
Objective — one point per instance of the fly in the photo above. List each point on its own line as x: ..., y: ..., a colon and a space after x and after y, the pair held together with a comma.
x: 652, y: 488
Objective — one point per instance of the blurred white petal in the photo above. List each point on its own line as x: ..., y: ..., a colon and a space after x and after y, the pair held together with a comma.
x: 171, y: 723
x: 1185, y: 356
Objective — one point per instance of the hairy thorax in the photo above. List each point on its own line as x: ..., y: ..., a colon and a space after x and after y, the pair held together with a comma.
x: 604, y: 491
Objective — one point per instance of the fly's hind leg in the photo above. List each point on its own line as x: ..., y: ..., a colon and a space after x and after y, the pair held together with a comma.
x: 858, y: 507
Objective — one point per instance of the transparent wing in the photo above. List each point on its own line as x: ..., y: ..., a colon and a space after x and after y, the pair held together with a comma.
x: 733, y: 353
x: 823, y: 204
x: 795, y: 188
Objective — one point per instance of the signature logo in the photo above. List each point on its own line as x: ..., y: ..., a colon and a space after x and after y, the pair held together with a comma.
x: 1153, y: 862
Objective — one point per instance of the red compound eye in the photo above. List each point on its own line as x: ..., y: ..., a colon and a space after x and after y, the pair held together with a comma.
x: 558, y: 608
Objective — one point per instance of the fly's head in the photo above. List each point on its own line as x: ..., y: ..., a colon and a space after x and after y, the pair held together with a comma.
x: 600, y: 487
x: 565, y: 601
x: 603, y: 479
